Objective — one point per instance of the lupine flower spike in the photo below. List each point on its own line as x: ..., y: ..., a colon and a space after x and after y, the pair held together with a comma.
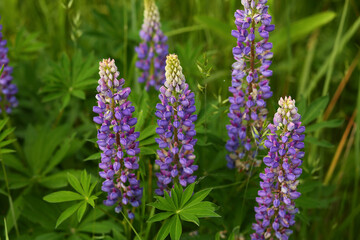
x: 276, y: 210
x: 117, y: 139
x: 153, y: 49
x: 176, y: 129
x: 250, y: 86
x: 8, y: 90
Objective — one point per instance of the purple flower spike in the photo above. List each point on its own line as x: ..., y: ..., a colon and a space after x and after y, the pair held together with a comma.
x: 250, y: 86
x: 276, y: 210
x: 153, y: 49
x: 8, y: 90
x: 176, y: 129
x: 117, y: 140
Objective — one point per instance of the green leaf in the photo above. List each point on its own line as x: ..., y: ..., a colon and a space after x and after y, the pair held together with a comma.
x: 91, y: 201
x: 99, y: 227
x: 59, y: 155
x: 321, y: 143
x: 54, y: 181
x: 327, y: 124
x: 6, y: 151
x: 85, y: 182
x: 164, y: 230
x: 65, y: 101
x: 81, y: 211
x: 78, y: 93
x: 222, y: 29
x: 7, y: 142
x: 5, y: 133
x: 198, y: 197
x: 67, y: 213
x: 94, y: 156
x: 300, y: 29
x: 175, y: 197
x: 147, y: 132
x: 162, y: 204
x: 92, y: 187
x: 74, y: 182
x: 189, y: 217
x: 187, y: 194
x: 200, y: 212
x: 63, y: 196
x: 175, y: 228
x: 315, y: 109
x: 170, y: 200
x: 160, y: 216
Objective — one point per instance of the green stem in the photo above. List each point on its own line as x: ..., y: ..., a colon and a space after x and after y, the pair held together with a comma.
x: 148, y: 227
x: 131, y: 226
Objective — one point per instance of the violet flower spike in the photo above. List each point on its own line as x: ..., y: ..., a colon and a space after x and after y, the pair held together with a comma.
x: 276, y: 211
x: 176, y: 130
x: 117, y: 140
x: 8, y: 90
x: 153, y: 49
x: 250, y: 86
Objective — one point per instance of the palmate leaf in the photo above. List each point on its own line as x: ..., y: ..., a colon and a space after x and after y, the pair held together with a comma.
x: 69, y: 77
x: 84, y: 190
x: 181, y: 206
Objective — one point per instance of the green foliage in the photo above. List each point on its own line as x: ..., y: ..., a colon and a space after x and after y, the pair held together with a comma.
x: 4, y: 136
x: 69, y: 78
x: 54, y: 48
x: 84, y: 189
x: 181, y: 206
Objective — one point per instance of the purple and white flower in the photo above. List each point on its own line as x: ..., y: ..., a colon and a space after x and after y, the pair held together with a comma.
x: 153, y: 49
x: 8, y: 89
x: 176, y: 129
x: 276, y: 211
x: 117, y: 140
x: 250, y: 85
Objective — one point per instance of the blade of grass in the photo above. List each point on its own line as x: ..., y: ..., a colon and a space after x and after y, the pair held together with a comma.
x: 339, y: 150
x: 354, y: 202
x: 305, y: 75
x: 346, y: 156
x: 341, y: 87
x: 6, y: 230
x: 344, y: 40
x: 184, y: 30
x: 335, y: 49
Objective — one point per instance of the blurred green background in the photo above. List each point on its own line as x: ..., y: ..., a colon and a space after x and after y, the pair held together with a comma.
x: 55, y: 47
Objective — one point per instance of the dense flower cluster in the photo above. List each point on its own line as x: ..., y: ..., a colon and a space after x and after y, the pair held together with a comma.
x: 8, y: 90
x: 250, y: 86
x: 153, y: 49
x: 276, y: 210
x: 117, y: 139
x: 176, y: 129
